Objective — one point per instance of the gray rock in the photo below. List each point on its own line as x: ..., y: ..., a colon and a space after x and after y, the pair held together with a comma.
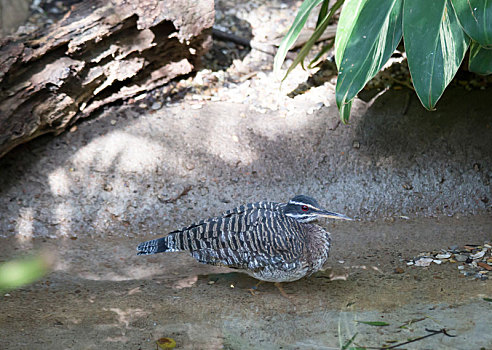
x: 461, y: 257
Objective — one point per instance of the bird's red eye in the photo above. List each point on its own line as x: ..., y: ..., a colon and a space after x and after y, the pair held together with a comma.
x: 304, y: 208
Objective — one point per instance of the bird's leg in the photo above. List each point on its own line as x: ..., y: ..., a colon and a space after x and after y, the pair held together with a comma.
x: 252, y: 290
x: 282, y: 291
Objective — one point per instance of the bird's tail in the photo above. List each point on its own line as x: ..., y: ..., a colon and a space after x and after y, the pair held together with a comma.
x: 160, y: 245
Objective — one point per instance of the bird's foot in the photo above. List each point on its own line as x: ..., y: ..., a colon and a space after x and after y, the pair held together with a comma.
x: 254, y: 290
x: 282, y: 291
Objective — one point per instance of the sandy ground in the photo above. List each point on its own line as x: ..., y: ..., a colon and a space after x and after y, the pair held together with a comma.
x: 416, y: 181
x: 102, y: 296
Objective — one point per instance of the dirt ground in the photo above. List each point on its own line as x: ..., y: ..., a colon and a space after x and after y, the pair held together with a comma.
x: 102, y: 296
x: 415, y: 181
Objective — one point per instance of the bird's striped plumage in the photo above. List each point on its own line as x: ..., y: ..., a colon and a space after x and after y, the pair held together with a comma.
x: 265, y: 239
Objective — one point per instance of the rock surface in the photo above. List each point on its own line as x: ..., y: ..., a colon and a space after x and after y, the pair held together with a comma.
x: 127, y: 171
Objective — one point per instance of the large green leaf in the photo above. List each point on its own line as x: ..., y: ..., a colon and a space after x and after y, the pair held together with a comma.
x: 369, y: 34
x: 348, y: 18
x: 294, y: 31
x: 480, y: 59
x: 476, y: 19
x: 435, y: 46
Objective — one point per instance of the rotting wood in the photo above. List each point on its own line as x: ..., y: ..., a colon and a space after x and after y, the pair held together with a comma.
x: 99, y: 53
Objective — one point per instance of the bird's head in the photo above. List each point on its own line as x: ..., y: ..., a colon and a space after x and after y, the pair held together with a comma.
x: 305, y: 209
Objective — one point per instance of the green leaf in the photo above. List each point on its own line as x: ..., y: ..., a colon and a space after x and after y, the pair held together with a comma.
x: 488, y: 299
x: 312, y: 40
x: 475, y: 17
x: 480, y: 61
x: 348, y: 17
x: 350, y: 341
x: 323, y: 11
x: 324, y: 50
x: 368, y: 33
x: 16, y: 273
x: 375, y: 323
x: 344, y: 111
x: 294, y: 31
x: 435, y: 46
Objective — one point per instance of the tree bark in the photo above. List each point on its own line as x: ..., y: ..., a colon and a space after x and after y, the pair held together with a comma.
x: 99, y: 53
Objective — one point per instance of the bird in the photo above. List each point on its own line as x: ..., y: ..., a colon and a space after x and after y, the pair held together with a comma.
x: 270, y: 241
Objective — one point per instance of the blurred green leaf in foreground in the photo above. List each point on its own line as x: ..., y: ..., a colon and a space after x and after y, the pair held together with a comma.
x: 22, y: 271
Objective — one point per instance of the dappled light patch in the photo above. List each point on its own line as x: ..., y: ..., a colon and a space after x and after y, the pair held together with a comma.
x: 117, y: 339
x: 62, y: 215
x: 24, y: 225
x: 125, y: 317
x: 122, y: 151
x: 187, y: 282
x: 59, y: 182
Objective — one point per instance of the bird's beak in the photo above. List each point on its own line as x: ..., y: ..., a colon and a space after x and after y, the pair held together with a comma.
x: 332, y: 215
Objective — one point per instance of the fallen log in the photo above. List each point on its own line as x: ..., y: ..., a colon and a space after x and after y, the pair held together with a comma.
x: 99, y: 53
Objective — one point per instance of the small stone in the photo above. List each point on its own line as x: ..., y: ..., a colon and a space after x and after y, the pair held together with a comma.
x: 423, y: 262
x: 460, y: 257
x: 156, y: 105
x: 113, y: 122
x: 73, y: 128
x: 108, y: 188
x: 485, y: 266
x: 210, y: 282
x: 443, y: 256
x: 407, y: 187
x: 481, y: 276
x: 356, y: 144
x: 203, y: 191
x: 438, y: 262
x: 461, y: 267
x: 399, y: 270
x: 410, y: 263
x: 190, y: 166
x: 478, y: 255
